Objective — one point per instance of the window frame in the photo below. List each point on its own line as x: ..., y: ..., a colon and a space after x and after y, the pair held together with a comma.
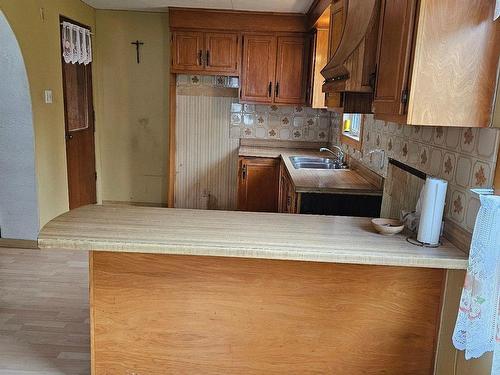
x: 350, y: 140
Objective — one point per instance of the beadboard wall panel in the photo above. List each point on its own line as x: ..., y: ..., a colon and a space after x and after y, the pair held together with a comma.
x: 206, y: 157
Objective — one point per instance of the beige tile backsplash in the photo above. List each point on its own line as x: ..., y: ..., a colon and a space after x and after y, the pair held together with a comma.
x: 294, y: 123
x: 279, y: 122
x: 465, y: 157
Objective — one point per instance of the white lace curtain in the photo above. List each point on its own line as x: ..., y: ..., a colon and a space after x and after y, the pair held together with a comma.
x: 76, y: 44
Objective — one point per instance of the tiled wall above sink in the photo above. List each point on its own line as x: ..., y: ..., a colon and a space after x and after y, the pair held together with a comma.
x: 279, y: 122
x: 294, y: 123
x: 465, y: 157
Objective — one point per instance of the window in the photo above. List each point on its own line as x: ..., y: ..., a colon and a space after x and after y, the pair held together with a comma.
x: 352, y: 129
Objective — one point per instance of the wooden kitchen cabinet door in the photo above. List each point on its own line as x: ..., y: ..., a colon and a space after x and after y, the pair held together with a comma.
x: 222, y: 51
x: 397, y: 20
x: 258, y: 185
x: 291, y: 68
x: 187, y: 51
x: 287, y: 196
x: 259, y: 59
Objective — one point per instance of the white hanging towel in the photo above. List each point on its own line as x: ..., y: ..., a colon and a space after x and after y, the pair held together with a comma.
x: 477, y: 330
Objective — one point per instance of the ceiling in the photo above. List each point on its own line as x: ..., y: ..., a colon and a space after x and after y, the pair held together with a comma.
x: 294, y: 6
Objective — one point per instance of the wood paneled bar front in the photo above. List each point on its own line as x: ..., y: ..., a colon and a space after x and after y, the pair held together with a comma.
x: 195, y: 292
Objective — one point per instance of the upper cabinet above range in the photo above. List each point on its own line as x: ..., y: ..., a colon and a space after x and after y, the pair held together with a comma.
x: 205, y: 52
x: 350, y: 70
x: 353, y: 45
x: 437, y: 62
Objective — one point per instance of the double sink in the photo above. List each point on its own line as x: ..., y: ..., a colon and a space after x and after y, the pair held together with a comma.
x: 308, y: 162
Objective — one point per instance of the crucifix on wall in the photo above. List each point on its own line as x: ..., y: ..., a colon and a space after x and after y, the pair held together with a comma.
x: 138, y: 45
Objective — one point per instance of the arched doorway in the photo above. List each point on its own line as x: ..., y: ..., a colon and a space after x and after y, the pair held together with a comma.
x: 18, y: 191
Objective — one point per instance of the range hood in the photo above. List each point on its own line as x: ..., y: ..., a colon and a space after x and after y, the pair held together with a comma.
x: 352, y: 65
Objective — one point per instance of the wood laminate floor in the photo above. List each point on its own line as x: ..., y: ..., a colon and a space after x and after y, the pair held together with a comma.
x: 44, y: 312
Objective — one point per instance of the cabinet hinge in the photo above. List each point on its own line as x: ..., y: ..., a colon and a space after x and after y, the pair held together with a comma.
x: 404, y: 96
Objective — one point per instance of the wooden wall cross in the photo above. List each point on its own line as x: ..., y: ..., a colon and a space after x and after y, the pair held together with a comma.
x: 138, y: 45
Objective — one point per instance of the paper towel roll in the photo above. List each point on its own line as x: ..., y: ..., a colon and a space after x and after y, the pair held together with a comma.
x: 431, y: 217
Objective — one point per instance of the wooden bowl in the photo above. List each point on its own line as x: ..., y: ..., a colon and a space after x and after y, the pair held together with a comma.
x: 388, y: 227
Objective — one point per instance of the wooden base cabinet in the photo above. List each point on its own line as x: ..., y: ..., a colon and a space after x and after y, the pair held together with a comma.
x: 167, y: 315
x: 288, y: 199
x: 258, y: 184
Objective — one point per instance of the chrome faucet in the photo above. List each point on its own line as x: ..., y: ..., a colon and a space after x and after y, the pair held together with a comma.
x: 339, y: 154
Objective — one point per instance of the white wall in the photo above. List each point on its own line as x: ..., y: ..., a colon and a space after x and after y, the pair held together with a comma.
x: 18, y: 192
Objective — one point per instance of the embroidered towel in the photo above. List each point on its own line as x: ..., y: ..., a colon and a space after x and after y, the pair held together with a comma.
x: 477, y: 330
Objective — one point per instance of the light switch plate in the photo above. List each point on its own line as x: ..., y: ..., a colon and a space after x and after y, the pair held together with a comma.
x: 48, y: 96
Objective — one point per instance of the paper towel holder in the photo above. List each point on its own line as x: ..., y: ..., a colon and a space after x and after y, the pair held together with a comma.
x: 416, y: 242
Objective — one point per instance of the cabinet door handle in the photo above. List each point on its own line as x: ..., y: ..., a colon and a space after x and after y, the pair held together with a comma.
x: 277, y: 89
x: 208, y: 58
x: 244, y: 172
x: 270, y: 89
x: 200, y: 57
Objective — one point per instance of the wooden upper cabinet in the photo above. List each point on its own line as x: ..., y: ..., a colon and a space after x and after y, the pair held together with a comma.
x: 393, y: 58
x: 222, y: 52
x: 205, y: 52
x: 187, y: 51
x: 436, y: 66
x: 274, y: 68
x: 258, y: 184
x: 259, y: 60
x: 291, y: 67
x: 337, y: 19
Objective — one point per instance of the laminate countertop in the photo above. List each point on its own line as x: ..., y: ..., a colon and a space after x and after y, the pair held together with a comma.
x: 333, y: 239
x: 339, y: 181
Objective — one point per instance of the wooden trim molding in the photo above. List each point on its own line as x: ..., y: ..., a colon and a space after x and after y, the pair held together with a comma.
x: 496, y: 182
x: 171, y: 140
x: 316, y: 10
x: 350, y: 141
x: 18, y: 244
x: 133, y: 204
x: 212, y: 19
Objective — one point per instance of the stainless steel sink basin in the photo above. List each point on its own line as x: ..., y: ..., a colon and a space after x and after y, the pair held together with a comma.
x: 305, y: 162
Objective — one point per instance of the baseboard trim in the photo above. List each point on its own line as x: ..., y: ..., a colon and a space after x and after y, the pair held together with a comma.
x: 126, y: 203
x: 18, y: 244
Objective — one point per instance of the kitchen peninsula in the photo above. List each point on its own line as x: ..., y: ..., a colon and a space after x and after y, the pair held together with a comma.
x: 176, y: 291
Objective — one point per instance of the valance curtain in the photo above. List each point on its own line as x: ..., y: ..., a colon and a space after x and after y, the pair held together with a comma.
x: 76, y: 44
